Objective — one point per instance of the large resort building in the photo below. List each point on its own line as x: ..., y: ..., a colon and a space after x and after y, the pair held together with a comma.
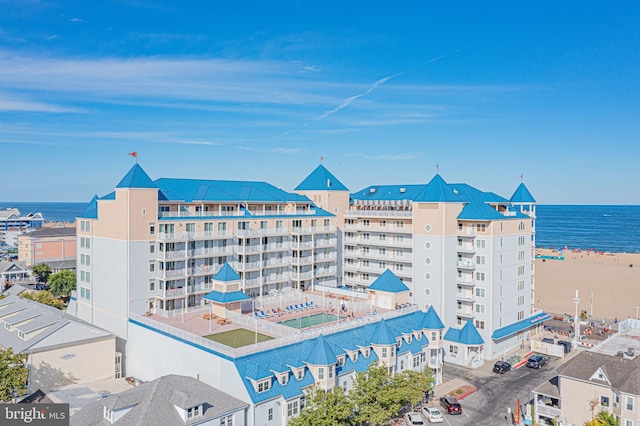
x: 417, y: 275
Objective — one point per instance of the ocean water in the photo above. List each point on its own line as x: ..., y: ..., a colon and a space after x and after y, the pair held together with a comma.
x: 604, y: 228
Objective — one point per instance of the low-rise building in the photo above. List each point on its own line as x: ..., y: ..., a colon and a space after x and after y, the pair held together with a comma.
x: 50, y: 246
x: 606, y: 378
x: 170, y: 400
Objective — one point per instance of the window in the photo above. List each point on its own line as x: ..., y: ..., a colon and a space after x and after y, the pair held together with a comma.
x: 481, y: 227
x: 434, y: 336
x: 401, y: 365
x: 87, y: 294
x: 384, y: 352
x: 416, y: 361
x: 152, y: 248
x: 520, y: 315
x: 270, y: 414
x: 481, y: 243
x: 398, y: 267
x: 480, y: 325
x: 366, y: 222
x: 480, y: 292
x: 629, y: 403
x: 292, y: 408
x: 152, y: 266
x: 479, y: 308
x: 604, y: 401
x: 628, y: 423
x: 320, y: 373
x: 330, y: 371
x: 107, y: 414
x: 365, y: 236
x: 383, y: 237
x: 520, y: 300
x: 193, y: 412
x: 152, y: 229
x: 264, y: 385
x: 453, y: 349
x: 152, y: 285
x: 382, y: 265
x: 521, y: 285
x: 382, y: 251
x: 226, y: 421
x: 480, y: 260
x: 82, y: 259
x: 480, y: 276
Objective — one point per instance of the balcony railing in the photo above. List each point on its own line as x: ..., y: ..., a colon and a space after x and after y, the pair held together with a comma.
x: 248, y: 266
x: 172, y: 254
x: 466, y: 264
x: 378, y: 213
x: 299, y: 276
x: 262, y: 232
x: 548, y: 410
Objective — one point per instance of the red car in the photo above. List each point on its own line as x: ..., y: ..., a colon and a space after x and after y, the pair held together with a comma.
x: 451, y: 405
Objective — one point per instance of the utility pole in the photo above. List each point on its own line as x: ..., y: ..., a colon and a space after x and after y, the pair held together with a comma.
x: 576, y: 320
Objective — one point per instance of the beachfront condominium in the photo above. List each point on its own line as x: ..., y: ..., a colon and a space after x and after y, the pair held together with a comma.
x: 156, y: 246
x: 467, y: 252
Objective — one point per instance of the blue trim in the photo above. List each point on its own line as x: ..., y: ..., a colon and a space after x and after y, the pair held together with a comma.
x: 195, y: 345
x: 512, y: 329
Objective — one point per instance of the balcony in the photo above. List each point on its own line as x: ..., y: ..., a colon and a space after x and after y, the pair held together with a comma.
x: 325, y: 242
x: 301, y: 245
x: 262, y: 232
x: 465, y: 312
x: 172, y: 292
x: 467, y: 231
x: 175, y: 273
x: 378, y: 213
x: 276, y: 246
x: 466, y: 296
x: 251, y: 282
x: 252, y: 248
x: 203, y: 269
x: 466, y: 248
x: 275, y: 278
x: 466, y: 264
x: 179, y: 254
x: 299, y: 261
x: 275, y: 262
x: 248, y: 266
x: 301, y: 276
x: 324, y: 272
x: 200, y: 288
x: 325, y: 257
x: 548, y: 410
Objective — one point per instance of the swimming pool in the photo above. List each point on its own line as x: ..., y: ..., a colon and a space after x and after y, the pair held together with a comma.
x: 311, y: 320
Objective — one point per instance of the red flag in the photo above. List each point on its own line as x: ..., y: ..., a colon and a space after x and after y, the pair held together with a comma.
x: 516, y: 416
x: 134, y: 154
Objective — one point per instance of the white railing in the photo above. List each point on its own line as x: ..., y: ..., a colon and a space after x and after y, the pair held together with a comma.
x: 299, y: 276
x: 208, y: 213
x: 324, y: 242
x: 172, y: 254
x: 465, y: 264
x: 248, y: 249
x: 301, y: 260
x: 251, y: 282
x: 177, y: 273
x: 325, y: 257
x: 379, y: 213
x: 300, y: 245
x: 262, y: 232
x: 247, y: 266
x: 547, y: 410
x: 276, y: 246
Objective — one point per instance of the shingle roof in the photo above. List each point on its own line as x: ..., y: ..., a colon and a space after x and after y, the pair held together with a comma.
x: 152, y: 403
x: 622, y: 373
x: 388, y: 282
x: 468, y: 335
x: 522, y: 195
x: 321, y: 179
x: 53, y: 232
x: 136, y: 178
x: 227, y: 273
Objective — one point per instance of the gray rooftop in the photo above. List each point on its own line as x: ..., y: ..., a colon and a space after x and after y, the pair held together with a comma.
x: 549, y: 388
x: 53, y: 232
x: 57, y: 329
x: 621, y: 373
x: 620, y: 342
x: 153, y: 403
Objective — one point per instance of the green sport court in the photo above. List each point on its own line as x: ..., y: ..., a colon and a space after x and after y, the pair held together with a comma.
x: 311, y: 320
x: 238, y: 337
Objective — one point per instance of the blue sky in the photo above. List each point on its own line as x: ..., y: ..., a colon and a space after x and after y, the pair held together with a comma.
x: 383, y: 91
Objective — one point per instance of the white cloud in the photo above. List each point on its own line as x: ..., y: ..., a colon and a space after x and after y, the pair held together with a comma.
x: 13, y: 104
x: 288, y: 151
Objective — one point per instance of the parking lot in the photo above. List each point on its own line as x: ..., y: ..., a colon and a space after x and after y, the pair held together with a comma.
x: 496, y: 393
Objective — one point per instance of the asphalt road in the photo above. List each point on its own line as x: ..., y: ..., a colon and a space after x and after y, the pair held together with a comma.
x: 496, y: 393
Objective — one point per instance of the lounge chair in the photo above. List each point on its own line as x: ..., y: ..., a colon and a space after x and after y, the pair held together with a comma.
x: 374, y: 312
x: 263, y: 314
x: 256, y: 314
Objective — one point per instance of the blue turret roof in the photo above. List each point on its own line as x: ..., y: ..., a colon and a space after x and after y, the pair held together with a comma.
x: 431, y: 320
x: 467, y: 336
x: 91, y: 211
x: 382, y: 334
x: 321, y: 179
x: 522, y: 195
x: 319, y: 352
x: 226, y: 297
x: 227, y: 273
x: 438, y: 191
x: 388, y: 282
x: 136, y: 178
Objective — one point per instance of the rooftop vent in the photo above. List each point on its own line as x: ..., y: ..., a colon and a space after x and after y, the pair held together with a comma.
x: 455, y: 191
x: 328, y: 183
x: 631, y: 351
x: 620, y: 354
x: 372, y: 190
x: 403, y: 190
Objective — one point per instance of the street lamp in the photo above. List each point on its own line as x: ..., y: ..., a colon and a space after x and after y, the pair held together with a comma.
x: 576, y: 321
x: 591, y: 305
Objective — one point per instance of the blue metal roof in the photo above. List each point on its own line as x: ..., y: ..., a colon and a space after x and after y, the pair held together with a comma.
x: 414, y: 347
x: 321, y: 179
x: 189, y: 190
x: 468, y: 335
x: 388, y: 282
x: 220, y: 297
x: 227, y: 273
x: 522, y: 195
x: 319, y: 352
x: 431, y: 320
x: 324, y: 350
x: 509, y: 330
x: 91, y: 211
x: 438, y: 191
x: 136, y: 178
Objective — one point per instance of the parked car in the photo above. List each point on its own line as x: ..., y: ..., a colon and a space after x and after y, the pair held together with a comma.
x: 432, y: 414
x: 413, y: 419
x: 41, y: 286
x: 567, y: 345
x: 451, y: 405
x: 536, y: 361
x: 548, y: 340
x: 501, y: 367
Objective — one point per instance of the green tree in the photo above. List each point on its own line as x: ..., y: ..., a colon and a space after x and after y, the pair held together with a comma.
x: 325, y: 408
x: 410, y: 386
x: 13, y: 374
x: 603, y: 419
x: 45, y: 297
x: 374, y: 396
x: 42, y: 271
x: 62, y: 283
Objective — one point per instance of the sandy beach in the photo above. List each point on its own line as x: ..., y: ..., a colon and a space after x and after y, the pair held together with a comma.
x: 614, y: 283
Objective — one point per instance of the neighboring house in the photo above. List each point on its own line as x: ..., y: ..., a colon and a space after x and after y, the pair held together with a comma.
x: 170, y: 400
x: 61, y: 349
x: 12, y: 219
x: 49, y: 245
x: 606, y: 378
x: 13, y: 272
